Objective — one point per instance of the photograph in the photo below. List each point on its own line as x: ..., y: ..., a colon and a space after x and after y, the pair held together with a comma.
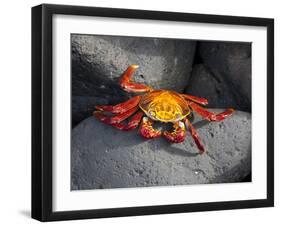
x: 149, y: 111
x: 138, y: 113
x: 143, y: 112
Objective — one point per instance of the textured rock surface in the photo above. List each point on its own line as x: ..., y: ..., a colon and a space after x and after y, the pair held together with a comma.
x: 204, y: 84
x: 98, y: 62
x: 230, y: 63
x: 104, y: 157
x: 164, y: 63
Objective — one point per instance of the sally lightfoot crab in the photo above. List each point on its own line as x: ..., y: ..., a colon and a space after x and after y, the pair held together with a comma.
x: 156, y: 105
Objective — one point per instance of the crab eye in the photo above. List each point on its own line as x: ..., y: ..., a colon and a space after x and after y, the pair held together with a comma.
x: 178, y: 115
x: 181, y: 125
x: 152, y: 113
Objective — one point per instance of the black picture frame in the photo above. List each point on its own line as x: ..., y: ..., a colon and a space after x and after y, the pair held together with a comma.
x: 42, y: 111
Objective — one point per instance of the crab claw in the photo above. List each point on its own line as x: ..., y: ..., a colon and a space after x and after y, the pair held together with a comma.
x: 146, y: 129
x: 130, y: 86
x: 178, y: 135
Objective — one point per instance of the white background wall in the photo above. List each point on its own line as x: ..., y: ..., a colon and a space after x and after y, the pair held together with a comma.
x: 15, y: 113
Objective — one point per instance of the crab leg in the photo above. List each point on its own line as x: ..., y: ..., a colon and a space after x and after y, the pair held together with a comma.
x: 120, y: 108
x: 211, y: 116
x: 118, y: 118
x: 178, y: 135
x: 195, y: 136
x: 132, y: 124
x: 127, y: 85
x: 146, y: 129
x: 198, y: 100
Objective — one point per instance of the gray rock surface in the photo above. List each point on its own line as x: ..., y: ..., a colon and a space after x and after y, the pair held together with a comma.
x: 104, y: 157
x: 98, y: 62
x: 164, y: 63
x: 230, y: 63
x: 204, y: 84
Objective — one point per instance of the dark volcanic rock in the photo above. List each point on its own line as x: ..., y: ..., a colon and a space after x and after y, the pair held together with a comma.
x: 98, y: 62
x: 164, y: 63
x: 104, y: 157
x: 230, y: 63
x: 205, y: 84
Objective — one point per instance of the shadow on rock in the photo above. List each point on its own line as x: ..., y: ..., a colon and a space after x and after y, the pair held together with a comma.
x: 223, y: 74
x: 178, y: 151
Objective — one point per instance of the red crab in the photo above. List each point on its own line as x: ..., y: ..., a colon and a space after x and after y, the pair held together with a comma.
x: 157, y: 105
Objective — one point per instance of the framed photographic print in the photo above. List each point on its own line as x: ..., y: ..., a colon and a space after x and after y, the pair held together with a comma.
x: 146, y: 112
